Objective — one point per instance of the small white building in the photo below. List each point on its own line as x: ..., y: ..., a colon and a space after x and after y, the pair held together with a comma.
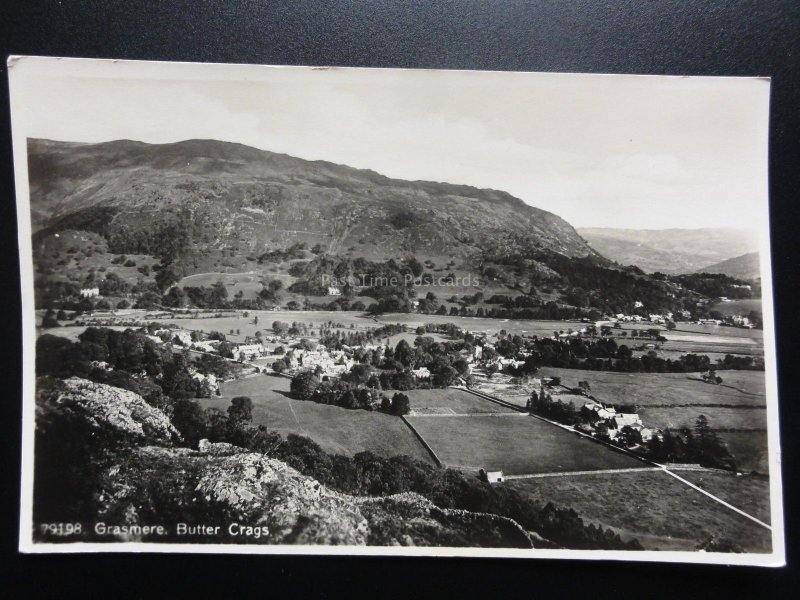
x: 93, y: 292
x: 494, y: 476
x: 334, y: 291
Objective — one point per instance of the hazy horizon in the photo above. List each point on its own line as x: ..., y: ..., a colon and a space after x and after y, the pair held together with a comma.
x: 620, y: 152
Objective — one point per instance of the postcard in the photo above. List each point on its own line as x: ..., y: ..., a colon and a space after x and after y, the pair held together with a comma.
x: 395, y: 312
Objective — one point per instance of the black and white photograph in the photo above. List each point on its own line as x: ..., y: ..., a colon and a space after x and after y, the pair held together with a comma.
x: 315, y: 310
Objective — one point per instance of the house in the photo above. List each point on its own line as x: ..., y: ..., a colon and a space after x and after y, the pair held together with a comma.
x: 334, y: 291
x: 638, y: 304
x: 492, y: 476
x: 183, y: 337
x: 626, y: 420
x: 335, y: 370
x: 90, y: 292
x: 647, y: 434
x: 207, y: 346
x: 421, y: 373
x: 209, y: 382
x: 601, y: 412
x: 248, y: 352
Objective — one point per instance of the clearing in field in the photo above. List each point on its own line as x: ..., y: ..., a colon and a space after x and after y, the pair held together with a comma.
x: 523, y: 445
x: 335, y: 429
x: 658, y: 510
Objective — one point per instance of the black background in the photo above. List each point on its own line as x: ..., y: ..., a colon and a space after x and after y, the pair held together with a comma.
x: 678, y: 37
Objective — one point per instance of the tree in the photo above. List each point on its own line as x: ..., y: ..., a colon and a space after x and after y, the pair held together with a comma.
x: 189, y: 419
x: 217, y: 425
x: 49, y: 319
x: 303, y: 386
x: 175, y: 298
x: 401, y: 405
x: 360, y: 373
x: 415, y: 266
x: 241, y: 410
x: 630, y: 436
x: 166, y: 277
x: 403, y: 353
x: 279, y: 366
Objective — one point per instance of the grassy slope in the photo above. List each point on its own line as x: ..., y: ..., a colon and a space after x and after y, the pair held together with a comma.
x: 335, y: 429
x: 657, y: 509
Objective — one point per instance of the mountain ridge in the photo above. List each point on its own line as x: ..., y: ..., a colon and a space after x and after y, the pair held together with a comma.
x: 270, y: 200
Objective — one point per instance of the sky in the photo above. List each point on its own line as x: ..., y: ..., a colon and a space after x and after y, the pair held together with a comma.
x: 598, y: 150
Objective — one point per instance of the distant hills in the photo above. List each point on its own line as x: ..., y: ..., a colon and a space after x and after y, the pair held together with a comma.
x: 746, y: 266
x: 671, y: 250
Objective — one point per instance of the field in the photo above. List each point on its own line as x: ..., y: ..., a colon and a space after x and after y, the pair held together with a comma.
x: 684, y: 329
x: 248, y: 283
x: 714, y: 340
x: 750, y: 449
x: 515, y: 444
x: 658, y: 510
x: 719, y: 418
x: 747, y: 493
x: 335, y: 429
x: 451, y: 401
x: 667, y: 389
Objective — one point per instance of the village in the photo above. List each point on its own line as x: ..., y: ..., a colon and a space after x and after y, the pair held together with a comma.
x: 288, y: 350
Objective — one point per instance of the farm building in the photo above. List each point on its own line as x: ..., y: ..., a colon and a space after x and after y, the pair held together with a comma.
x: 492, y: 476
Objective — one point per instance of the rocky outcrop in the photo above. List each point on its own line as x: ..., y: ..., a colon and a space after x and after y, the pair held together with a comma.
x: 117, y: 409
x: 256, y: 499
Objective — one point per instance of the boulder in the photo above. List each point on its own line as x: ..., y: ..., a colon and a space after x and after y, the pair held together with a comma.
x: 117, y: 409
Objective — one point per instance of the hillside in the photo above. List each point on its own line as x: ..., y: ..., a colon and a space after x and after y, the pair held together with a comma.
x: 746, y: 266
x: 234, y: 198
x: 268, y: 229
x: 669, y: 250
